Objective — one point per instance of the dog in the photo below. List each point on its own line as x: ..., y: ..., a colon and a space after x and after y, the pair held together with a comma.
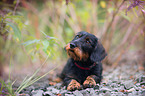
x: 84, y: 67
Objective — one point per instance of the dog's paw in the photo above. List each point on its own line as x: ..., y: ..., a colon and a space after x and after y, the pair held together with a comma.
x: 52, y: 83
x: 73, y: 85
x: 55, y: 81
x: 89, y: 82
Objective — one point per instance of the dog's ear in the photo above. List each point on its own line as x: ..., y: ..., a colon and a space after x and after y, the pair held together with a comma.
x: 99, y: 53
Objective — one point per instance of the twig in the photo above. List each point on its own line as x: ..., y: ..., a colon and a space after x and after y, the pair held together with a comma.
x: 94, y: 16
x: 124, y: 50
x: 127, y: 35
x: 113, y: 17
x: 74, y: 17
x: 16, y: 7
x: 124, y: 40
x: 107, y: 47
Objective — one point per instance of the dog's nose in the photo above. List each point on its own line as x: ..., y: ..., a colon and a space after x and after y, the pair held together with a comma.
x: 72, y: 45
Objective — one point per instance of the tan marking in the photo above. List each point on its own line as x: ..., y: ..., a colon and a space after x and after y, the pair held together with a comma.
x: 77, y: 54
x: 85, y: 56
x: 73, y: 85
x: 57, y: 80
x: 52, y: 83
x: 89, y: 81
x: 67, y: 47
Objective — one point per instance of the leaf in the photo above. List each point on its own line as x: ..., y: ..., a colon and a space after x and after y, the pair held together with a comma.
x: 38, y: 45
x: 31, y: 42
x: 45, y: 47
x: 125, y: 16
x: 16, y: 30
x: 111, y: 10
x: 45, y: 44
x: 103, y: 4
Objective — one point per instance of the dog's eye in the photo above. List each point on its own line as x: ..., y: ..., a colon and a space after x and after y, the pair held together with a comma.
x: 78, y: 36
x: 87, y: 40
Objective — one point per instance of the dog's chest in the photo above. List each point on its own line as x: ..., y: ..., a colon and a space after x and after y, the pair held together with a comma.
x: 81, y: 75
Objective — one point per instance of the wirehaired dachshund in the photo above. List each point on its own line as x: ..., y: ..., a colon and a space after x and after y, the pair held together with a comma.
x: 84, y: 67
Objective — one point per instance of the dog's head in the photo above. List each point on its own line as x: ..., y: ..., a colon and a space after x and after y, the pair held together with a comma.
x: 85, y: 46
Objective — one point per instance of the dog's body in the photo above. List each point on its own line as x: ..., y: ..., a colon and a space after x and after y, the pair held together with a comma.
x: 84, y: 66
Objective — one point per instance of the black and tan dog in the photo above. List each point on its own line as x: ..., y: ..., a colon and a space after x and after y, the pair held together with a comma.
x: 84, y: 66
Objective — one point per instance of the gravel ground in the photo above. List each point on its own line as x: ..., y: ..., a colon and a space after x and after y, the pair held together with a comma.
x: 124, y: 80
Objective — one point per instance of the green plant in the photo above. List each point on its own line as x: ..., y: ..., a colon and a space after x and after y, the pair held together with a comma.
x: 6, y: 88
x: 32, y: 79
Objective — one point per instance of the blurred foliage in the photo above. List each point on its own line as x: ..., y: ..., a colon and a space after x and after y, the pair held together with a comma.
x: 31, y: 30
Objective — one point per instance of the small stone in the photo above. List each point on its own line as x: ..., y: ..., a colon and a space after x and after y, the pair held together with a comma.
x: 88, y: 89
x: 37, y: 93
x: 130, y: 94
x: 54, y: 90
x: 105, y: 89
x: 69, y: 95
x: 77, y: 93
x: 107, y: 94
x: 48, y: 93
x: 121, y: 88
x: 113, y: 92
x: 27, y: 95
x: 97, y: 86
x: 143, y: 93
x: 113, y: 85
x: 69, y: 92
x: 50, y: 88
x: 63, y: 91
x: 101, y: 94
x: 58, y: 85
x: 114, y: 81
x: 63, y: 88
x: 136, y: 88
x: 116, y: 89
x: 128, y: 84
x: 120, y: 94
x: 130, y: 90
x: 135, y: 93
x: 142, y: 83
x: 92, y: 92
x: 137, y: 84
x: 31, y: 87
x: 141, y: 79
x: 85, y: 93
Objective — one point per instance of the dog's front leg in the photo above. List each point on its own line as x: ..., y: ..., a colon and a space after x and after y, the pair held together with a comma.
x: 90, y: 81
x: 72, y: 84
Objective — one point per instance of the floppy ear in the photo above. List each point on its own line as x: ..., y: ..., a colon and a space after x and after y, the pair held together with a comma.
x: 99, y: 53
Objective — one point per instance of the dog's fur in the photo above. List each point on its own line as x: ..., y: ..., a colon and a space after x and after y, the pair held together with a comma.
x: 84, y: 65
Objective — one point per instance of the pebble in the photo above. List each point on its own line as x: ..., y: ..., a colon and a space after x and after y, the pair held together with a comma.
x: 112, y: 85
x: 128, y: 84
x: 77, y: 93
x: 107, y: 94
x: 55, y: 91
x: 105, y: 89
x: 37, y: 93
x: 48, y: 93
x: 85, y: 93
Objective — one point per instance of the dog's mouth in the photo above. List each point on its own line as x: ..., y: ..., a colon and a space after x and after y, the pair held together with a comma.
x: 76, y: 53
